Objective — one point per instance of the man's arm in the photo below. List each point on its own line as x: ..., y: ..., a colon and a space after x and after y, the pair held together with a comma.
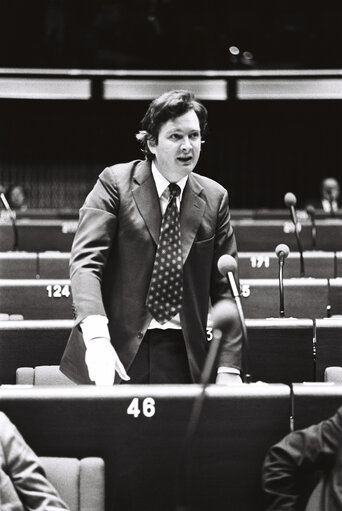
x: 25, y: 471
x: 225, y: 243
x: 92, y: 243
x: 305, y: 450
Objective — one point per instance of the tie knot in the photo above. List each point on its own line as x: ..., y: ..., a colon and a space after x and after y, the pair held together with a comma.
x: 174, y: 190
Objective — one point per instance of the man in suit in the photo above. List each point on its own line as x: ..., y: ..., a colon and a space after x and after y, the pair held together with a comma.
x: 23, y: 484
x: 140, y: 217
x: 304, y: 457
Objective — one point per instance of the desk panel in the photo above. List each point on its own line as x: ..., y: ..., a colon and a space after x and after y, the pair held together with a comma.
x: 304, y: 298
x: 53, y: 265
x: 265, y: 235
x: 328, y: 345
x: 31, y: 343
x: 39, y: 235
x: 142, y: 452
x: 265, y: 265
x: 18, y: 265
x: 314, y: 402
x: 336, y: 296
x: 281, y: 350
x: 36, y: 299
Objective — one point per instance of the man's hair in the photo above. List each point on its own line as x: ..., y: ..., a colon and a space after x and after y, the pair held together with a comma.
x: 168, y: 106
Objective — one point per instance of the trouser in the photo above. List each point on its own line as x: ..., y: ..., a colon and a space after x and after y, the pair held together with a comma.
x: 161, y: 358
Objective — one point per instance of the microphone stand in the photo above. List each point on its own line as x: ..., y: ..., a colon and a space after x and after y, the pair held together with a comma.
x: 245, y: 350
x: 281, y: 287
x: 299, y: 243
x: 188, y: 448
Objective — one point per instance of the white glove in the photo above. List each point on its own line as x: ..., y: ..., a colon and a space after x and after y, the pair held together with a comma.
x: 102, y: 362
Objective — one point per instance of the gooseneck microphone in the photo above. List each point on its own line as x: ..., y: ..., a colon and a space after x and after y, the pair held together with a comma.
x: 12, y: 216
x: 312, y: 214
x: 282, y: 251
x: 290, y: 201
x: 227, y: 266
x: 223, y: 315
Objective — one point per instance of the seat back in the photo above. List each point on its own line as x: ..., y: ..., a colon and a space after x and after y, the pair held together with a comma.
x: 41, y: 375
x: 80, y: 483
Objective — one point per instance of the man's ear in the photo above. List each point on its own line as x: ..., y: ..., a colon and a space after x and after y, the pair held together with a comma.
x: 151, y: 144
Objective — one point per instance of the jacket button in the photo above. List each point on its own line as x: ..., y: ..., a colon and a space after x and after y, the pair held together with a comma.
x: 140, y: 335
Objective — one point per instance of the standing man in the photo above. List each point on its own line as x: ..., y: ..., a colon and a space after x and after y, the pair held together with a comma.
x: 144, y: 260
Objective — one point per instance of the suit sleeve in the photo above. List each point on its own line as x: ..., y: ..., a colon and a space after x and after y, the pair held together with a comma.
x: 225, y: 243
x: 25, y: 471
x: 92, y: 243
x: 299, y: 453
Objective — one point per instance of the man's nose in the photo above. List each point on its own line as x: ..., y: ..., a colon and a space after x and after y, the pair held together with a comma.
x: 186, y: 144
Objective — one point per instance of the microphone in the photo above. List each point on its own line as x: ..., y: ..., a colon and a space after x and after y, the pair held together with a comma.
x: 282, y: 251
x: 312, y: 214
x: 223, y: 315
x: 12, y: 216
x: 290, y: 201
x: 227, y: 266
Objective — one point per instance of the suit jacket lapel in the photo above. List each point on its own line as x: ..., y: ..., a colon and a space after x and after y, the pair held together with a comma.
x: 146, y: 198
x: 192, y: 211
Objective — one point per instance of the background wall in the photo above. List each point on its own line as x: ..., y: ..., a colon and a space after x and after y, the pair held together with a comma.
x: 259, y: 150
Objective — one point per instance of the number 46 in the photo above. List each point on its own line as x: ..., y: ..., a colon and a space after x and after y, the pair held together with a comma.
x: 148, y: 407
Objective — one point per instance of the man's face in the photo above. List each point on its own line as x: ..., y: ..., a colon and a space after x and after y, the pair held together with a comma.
x: 331, y: 189
x: 178, y: 147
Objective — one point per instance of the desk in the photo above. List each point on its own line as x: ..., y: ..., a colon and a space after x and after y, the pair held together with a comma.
x: 36, y: 299
x: 31, y: 343
x: 18, y: 265
x: 142, y: 452
x: 304, y: 298
x: 281, y: 350
x: 265, y: 235
x: 328, y: 345
x: 314, y: 402
x: 265, y: 265
x: 38, y: 235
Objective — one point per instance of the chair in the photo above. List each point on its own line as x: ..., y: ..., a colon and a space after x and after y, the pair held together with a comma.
x: 41, y: 375
x: 333, y: 374
x: 80, y: 483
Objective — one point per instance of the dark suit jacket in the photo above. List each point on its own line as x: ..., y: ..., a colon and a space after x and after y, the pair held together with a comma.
x: 23, y: 485
x: 299, y: 457
x: 113, y: 254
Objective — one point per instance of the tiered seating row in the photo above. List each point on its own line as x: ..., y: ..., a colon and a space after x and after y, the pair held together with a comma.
x: 280, y: 350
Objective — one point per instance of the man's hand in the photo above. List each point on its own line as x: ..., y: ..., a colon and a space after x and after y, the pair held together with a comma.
x: 102, y: 362
x: 228, y: 379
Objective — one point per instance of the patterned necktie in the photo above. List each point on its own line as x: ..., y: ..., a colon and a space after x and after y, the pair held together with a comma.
x: 164, y: 298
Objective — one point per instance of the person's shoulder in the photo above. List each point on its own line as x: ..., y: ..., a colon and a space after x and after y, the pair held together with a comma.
x: 209, y: 184
x: 120, y: 169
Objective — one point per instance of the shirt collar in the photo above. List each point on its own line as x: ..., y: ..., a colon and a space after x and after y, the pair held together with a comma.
x: 162, y: 183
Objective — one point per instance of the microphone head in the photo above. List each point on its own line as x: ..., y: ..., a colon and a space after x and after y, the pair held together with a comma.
x: 310, y: 210
x: 224, y: 313
x: 290, y: 199
x: 282, y: 249
x: 2, y: 189
x: 225, y: 264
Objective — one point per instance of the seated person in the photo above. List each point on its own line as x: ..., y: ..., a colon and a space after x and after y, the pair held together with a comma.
x: 16, y: 197
x: 23, y: 484
x: 329, y: 201
x: 301, y: 457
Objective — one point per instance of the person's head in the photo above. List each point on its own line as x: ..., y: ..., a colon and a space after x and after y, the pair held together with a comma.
x: 330, y: 188
x: 16, y: 196
x: 171, y: 133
